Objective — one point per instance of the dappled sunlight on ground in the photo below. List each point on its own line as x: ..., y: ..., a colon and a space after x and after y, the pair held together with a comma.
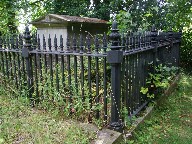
x: 170, y: 122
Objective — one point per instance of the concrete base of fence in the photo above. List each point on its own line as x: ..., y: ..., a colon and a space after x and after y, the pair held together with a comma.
x: 104, y: 136
x: 148, y: 111
x: 107, y: 136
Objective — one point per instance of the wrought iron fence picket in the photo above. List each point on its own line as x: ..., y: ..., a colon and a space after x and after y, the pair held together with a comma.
x: 82, y: 68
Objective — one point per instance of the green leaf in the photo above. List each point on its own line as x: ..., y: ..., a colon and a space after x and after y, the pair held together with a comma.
x: 144, y: 90
x: 148, y: 14
x: 150, y: 95
x: 155, y: 8
x: 1, y: 141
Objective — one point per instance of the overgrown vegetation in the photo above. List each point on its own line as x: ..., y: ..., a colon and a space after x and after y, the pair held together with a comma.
x: 186, y: 47
x: 171, y: 121
x: 131, y: 16
x: 69, y: 100
x: 19, y: 123
x: 159, y: 80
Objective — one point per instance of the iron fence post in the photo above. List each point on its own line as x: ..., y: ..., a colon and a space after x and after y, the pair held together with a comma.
x: 1, y: 56
x: 154, y: 44
x: 28, y: 57
x: 171, y: 48
x: 180, y: 39
x: 115, y: 57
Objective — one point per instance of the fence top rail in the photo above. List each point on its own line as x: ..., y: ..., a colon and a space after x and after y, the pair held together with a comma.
x: 87, y: 45
x: 93, y: 54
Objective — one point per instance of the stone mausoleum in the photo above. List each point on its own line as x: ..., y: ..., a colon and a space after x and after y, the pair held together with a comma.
x: 65, y: 25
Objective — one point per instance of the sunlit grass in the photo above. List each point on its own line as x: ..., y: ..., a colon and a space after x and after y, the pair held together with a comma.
x: 171, y: 122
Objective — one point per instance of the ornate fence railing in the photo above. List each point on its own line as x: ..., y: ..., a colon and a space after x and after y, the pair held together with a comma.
x: 103, y: 76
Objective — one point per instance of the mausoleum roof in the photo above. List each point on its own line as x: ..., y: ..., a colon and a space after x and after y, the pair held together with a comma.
x: 54, y: 18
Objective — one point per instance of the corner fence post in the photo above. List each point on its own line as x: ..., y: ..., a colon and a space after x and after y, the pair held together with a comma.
x: 115, y: 57
x: 28, y: 57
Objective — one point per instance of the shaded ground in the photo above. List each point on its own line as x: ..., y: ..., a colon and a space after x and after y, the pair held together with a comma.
x: 171, y: 122
x: 20, y: 124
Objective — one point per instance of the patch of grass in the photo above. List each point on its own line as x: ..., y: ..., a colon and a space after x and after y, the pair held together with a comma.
x: 171, y: 122
x: 19, y: 123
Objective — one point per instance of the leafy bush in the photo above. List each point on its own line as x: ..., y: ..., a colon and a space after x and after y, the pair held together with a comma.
x: 186, y: 48
x: 158, y: 80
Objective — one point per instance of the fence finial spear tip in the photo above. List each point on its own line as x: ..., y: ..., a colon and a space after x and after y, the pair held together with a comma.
x: 115, y: 36
x: 114, y: 24
x: 27, y: 35
x: 153, y: 28
x: 180, y: 30
x: 170, y: 29
x: 27, y: 29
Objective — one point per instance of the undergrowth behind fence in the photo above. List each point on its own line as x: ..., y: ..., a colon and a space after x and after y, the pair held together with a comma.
x: 80, y: 77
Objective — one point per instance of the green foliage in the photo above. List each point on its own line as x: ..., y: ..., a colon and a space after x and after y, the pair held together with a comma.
x: 21, y: 123
x: 158, y: 80
x: 127, y: 121
x: 139, y: 15
x: 131, y: 15
x: 100, y: 9
x: 37, y: 8
x: 125, y: 21
x: 69, y: 7
x: 175, y: 14
x: 8, y: 20
x: 68, y: 99
x: 162, y: 14
x: 144, y: 90
x: 170, y: 122
x: 186, y: 47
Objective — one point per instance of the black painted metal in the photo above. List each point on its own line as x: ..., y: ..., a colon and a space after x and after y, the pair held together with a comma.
x: 88, y: 40
x: 105, y: 77
x: 2, y: 56
x: 6, y: 61
x: 10, y: 68
x: 56, y: 64
x: 29, y: 69
x: 69, y: 74
x: 75, y: 62
x: 154, y: 44
x: 115, y: 57
x: 44, y: 56
x: 97, y: 76
x: 18, y: 61
x: 23, y: 72
x: 62, y: 63
x: 39, y: 61
x: 50, y: 61
x: 43, y: 64
x: 80, y: 68
x: 14, y: 63
x: 123, y: 75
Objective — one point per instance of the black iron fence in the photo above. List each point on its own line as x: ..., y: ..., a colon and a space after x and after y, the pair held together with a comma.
x: 103, y: 76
